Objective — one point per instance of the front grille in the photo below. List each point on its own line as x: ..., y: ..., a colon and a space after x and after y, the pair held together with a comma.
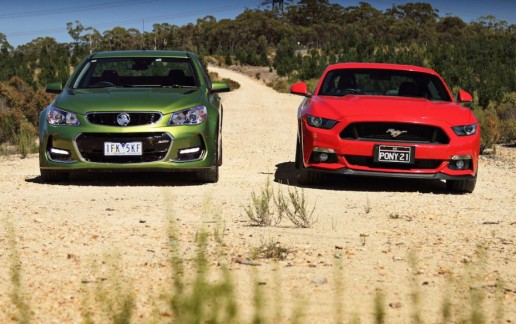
x: 136, y: 118
x: 385, y: 132
x: 365, y: 161
x: 155, y: 146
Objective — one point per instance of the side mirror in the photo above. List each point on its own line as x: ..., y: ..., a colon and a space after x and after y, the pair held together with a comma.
x: 56, y: 87
x: 464, y: 96
x: 217, y: 86
x: 299, y: 88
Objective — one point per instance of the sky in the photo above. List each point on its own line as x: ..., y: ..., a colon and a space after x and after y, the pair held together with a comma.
x: 24, y: 20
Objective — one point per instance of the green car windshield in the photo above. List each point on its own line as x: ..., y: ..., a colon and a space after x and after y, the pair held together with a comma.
x: 136, y: 72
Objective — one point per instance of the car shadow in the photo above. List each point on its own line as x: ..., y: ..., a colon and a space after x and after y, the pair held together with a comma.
x: 126, y: 179
x: 286, y: 174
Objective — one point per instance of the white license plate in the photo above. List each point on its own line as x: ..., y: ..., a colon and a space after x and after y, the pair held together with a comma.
x: 123, y: 149
x: 394, y: 154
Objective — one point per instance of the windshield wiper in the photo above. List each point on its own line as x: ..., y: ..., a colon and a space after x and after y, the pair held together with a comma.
x: 178, y: 86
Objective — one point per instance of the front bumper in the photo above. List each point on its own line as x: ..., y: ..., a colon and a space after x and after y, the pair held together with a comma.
x: 165, y: 148
x: 356, y: 156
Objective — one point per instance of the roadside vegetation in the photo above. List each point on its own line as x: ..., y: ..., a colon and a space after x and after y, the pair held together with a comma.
x: 269, y: 209
x: 297, y: 41
x: 201, y: 290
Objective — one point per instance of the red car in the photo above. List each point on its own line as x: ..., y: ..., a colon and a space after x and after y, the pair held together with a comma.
x: 386, y: 120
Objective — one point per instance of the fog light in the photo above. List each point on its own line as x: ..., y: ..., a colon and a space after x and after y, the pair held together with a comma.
x: 190, y: 154
x: 190, y: 150
x: 59, y: 152
x: 460, y: 162
x: 59, y: 155
x: 323, y: 156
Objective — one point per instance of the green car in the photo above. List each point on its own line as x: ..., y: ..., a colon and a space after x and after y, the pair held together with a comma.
x: 133, y: 111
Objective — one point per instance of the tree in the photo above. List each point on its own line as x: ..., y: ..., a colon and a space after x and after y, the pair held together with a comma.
x: 285, y: 61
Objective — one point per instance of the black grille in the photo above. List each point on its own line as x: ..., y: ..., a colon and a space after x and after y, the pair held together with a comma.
x: 369, y: 162
x: 136, y: 118
x: 155, y: 146
x: 407, y: 133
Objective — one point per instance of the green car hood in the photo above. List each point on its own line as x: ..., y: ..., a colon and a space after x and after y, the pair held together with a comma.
x: 165, y: 100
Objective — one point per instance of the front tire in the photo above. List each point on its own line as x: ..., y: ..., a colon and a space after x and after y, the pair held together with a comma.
x: 50, y: 176
x: 305, y: 176
x: 209, y: 175
x: 212, y: 175
x: 461, y: 186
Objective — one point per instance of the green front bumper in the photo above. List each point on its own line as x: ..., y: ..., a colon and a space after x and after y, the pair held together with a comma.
x: 63, y: 139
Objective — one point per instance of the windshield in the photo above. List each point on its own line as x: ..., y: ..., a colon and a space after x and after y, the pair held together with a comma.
x: 378, y: 82
x: 136, y: 72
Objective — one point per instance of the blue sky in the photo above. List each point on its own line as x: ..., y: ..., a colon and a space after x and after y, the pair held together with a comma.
x: 24, y: 20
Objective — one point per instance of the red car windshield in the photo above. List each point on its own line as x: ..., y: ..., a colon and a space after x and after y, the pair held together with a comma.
x: 376, y: 82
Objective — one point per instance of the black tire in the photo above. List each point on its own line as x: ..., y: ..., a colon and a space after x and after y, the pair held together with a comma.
x: 208, y: 175
x: 212, y: 175
x: 305, y: 176
x: 461, y: 186
x: 53, y: 175
x: 219, y: 151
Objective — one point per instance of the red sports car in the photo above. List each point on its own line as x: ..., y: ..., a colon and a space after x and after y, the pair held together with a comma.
x: 386, y: 120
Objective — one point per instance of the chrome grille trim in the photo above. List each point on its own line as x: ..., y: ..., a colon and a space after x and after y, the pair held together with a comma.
x: 138, y: 118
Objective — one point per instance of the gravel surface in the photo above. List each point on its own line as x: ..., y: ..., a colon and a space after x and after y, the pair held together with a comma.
x: 398, y: 237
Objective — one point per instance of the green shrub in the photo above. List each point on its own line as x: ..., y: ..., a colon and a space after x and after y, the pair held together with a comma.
x: 25, y: 139
x: 506, y: 111
x: 489, y: 128
x: 260, y: 211
x: 8, y: 127
x: 280, y: 85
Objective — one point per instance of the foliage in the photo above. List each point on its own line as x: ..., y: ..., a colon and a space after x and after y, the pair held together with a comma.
x: 490, y: 128
x: 25, y: 139
x: 299, y: 41
x: 271, y: 250
x: 295, y: 208
x: 19, y: 111
x: 203, y: 293
x: 260, y: 211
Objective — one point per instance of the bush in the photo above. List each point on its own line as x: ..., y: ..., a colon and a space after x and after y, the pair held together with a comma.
x: 8, y: 127
x: 25, y: 139
x: 489, y: 128
x: 506, y: 111
x: 280, y: 85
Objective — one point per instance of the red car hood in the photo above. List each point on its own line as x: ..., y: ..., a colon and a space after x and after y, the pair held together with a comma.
x: 388, y: 108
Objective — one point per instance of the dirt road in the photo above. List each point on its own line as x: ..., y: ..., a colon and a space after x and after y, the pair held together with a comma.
x: 401, y: 238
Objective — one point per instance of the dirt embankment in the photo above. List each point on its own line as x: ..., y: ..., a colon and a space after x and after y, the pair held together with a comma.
x: 75, y: 237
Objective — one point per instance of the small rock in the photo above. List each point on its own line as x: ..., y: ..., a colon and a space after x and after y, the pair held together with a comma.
x: 38, y: 220
x: 319, y: 280
x: 395, y: 305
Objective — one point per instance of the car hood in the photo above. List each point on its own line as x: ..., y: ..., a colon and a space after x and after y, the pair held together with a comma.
x: 166, y: 100
x: 392, y: 109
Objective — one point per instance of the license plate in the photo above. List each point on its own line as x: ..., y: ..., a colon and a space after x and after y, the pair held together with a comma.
x: 394, y: 154
x: 122, y: 149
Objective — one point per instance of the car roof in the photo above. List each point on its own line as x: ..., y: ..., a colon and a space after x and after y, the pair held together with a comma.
x: 381, y: 66
x: 142, y: 53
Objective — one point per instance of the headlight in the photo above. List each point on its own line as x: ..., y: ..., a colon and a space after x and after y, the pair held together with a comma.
x: 192, y: 116
x: 56, y: 117
x: 465, y: 130
x: 319, y: 122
